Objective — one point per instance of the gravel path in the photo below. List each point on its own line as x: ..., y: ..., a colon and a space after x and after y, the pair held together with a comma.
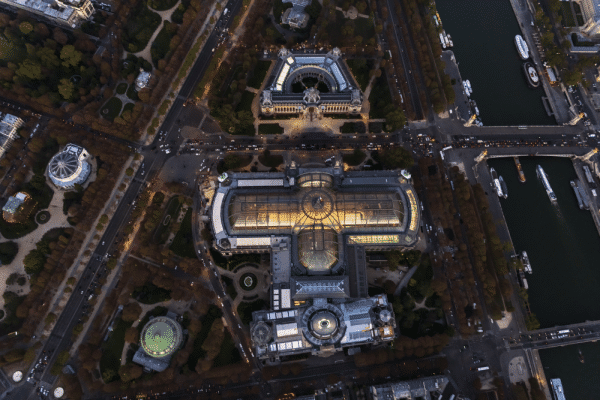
x: 28, y: 242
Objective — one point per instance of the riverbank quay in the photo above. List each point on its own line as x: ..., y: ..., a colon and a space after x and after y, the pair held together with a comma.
x: 555, y: 95
x: 461, y: 108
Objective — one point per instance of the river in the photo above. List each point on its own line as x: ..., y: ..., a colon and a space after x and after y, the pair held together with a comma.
x: 483, y: 33
x: 580, y: 381
x: 561, y: 241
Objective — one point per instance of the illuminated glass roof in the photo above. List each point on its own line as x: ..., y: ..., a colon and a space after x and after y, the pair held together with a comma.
x: 161, y: 337
x: 315, y: 205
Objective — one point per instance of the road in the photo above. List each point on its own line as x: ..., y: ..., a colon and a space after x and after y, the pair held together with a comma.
x: 60, y: 338
x: 408, y: 73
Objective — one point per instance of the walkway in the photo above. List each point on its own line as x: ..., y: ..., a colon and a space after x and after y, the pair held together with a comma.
x: 27, y: 243
x: 352, y: 13
x: 165, y: 16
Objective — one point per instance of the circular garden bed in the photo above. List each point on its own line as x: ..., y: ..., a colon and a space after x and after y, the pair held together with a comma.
x: 248, y: 281
x: 42, y: 217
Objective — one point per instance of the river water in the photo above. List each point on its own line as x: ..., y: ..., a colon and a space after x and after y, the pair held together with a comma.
x: 580, y: 381
x: 483, y: 33
x: 561, y: 241
x: 564, y: 250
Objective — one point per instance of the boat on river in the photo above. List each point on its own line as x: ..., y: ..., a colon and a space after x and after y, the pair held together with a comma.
x: 533, y: 78
x: 522, y: 47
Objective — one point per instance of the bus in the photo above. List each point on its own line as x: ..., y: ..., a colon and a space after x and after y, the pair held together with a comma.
x: 564, y: 331
x: 486, y: 368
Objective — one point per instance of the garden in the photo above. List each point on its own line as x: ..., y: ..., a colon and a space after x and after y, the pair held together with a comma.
x: 140, y: 28
x: 111, y: 109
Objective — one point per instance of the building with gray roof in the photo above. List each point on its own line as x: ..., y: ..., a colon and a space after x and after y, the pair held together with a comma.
x: 69, y: 167
x: 316, y: 223
x: 9, y: 124
x: 66, y: 12
x: 430, y: 388
x: 339, y: 93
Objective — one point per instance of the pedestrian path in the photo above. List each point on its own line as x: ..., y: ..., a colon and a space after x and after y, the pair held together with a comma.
x: 165, y: 16
x: 27, y: 243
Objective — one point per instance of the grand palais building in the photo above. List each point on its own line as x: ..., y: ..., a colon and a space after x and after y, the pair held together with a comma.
x: 317, y: 224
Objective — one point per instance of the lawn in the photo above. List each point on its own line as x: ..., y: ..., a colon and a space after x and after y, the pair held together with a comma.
x: 213, y: 313
x: 111, y: 109
x: 348, y: 127
x: 183, y: 243
x: 360, y: 69
x: 162, y: 231
x: 245, y: 103
x: 272, y: 161
x: 111, y: 351
x: 127, y: 107
x: 355, y: 158
x: 121, y: 88
x: 270, y: 129
x: 259, y: 73
x: 132, y: 92
x: 139, y: 28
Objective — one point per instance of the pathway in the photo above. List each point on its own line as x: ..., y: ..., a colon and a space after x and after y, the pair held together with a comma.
x: 352, y: 13
x: 165, y: 16
x: 28, y: 242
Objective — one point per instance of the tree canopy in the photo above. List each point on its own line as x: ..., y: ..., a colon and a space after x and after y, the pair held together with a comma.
x: 397, y: 157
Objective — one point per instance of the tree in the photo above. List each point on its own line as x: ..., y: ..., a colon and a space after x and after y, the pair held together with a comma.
x: 25, y: 27
x: 132, y: 335
x: 70, y: 56
x: 395, y: 119
x: 131, y: 312
x: 29, y: 69
x: 397, y: 157
x: 59, y: 36
x: 129, y: 372
x: 66, y: 88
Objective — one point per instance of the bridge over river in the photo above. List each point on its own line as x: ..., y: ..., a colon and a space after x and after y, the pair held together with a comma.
x: 557, y: 336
